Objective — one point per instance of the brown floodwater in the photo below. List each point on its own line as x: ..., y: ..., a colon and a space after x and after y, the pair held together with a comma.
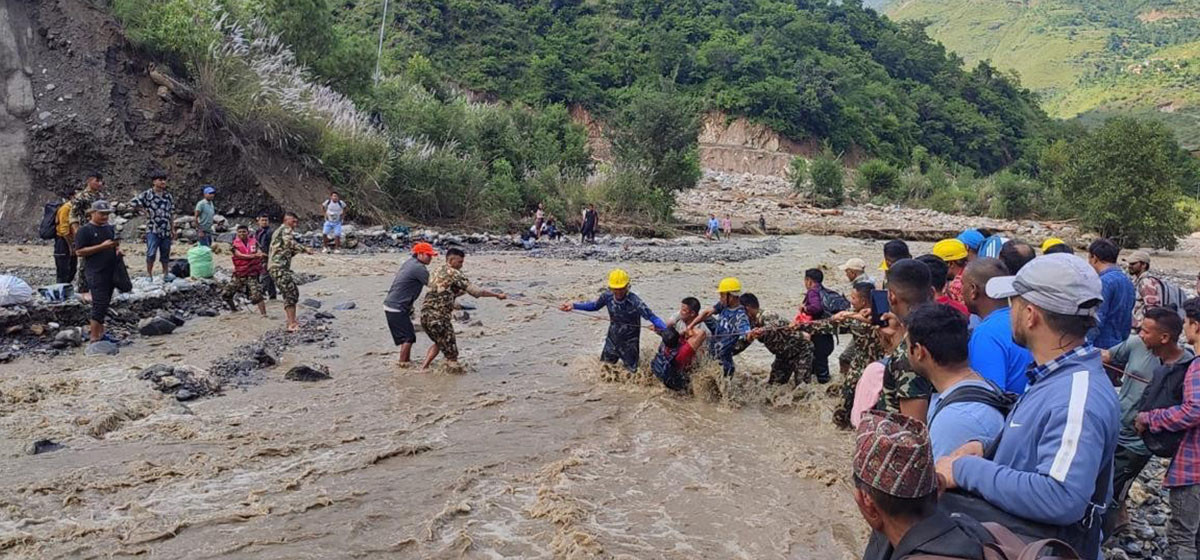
x: 534, y: 452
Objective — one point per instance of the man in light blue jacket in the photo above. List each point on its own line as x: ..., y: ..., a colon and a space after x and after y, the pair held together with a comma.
x: 1053, y: 462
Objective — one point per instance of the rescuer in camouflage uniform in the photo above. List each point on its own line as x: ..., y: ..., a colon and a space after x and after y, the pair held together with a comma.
x: 80, y: 204
x: 909, y: 285
x: 447, y: 283
x: 283, y: 248
x: 791, y: 346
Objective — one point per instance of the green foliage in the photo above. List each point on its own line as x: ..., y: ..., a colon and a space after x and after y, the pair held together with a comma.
x: 178, y: 30
x: 828, y: 177
x: 657, y: 133
x: 1190, y: 208
x: 826, y: 70
x: 877, y: 177
x: 1124, y: 180
x: 798, y: 173
x: 1012, y: 196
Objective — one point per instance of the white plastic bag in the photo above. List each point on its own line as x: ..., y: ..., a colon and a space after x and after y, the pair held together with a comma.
x: 14, y: 291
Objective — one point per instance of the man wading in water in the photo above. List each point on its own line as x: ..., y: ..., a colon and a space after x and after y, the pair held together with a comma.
x: 447, y: 283
x: 625, y: 311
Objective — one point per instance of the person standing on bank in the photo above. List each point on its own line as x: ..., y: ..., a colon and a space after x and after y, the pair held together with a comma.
x: 205, y: 211
x: 263, y: 237
x: 283, y: 248
x: 96, y: 243
x: 333, y: 207
x: 159, y: 206
x: 412, y: 277
x: 81, y: 203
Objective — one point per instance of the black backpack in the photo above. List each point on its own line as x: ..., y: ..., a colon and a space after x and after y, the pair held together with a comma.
x: 48, y: 229
x: 992, y: 396
x: 832, y: 302
x: 1164, y: 391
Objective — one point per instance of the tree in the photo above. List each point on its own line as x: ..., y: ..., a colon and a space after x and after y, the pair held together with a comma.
x: 829, y: 189
x: 877, y: 177
x: 798, y: 173
x: 1123, y: 181
x: 657, y: 133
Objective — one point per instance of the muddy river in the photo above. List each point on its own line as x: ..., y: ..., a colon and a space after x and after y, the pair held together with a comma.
x: 532, y: 453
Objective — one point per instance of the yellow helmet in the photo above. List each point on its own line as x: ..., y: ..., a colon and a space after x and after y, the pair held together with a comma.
x: 1050, y: 242
x: 618, y: 279
x: 950, y: 250
x: 729, y: 285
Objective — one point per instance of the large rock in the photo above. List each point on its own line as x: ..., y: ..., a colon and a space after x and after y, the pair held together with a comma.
x: 69, y: 337
x: 345, y: 306
x: 308, y: 373
x: 311, y: 303
x: 155, y: 326
x: 102, y: 348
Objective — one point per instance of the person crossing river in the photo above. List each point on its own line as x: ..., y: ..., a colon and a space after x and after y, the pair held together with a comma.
x: 625, y: 311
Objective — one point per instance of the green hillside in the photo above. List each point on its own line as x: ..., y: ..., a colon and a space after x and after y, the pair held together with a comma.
x: 1087, y: 59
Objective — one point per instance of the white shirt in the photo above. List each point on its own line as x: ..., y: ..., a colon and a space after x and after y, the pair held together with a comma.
x: 333, y: 211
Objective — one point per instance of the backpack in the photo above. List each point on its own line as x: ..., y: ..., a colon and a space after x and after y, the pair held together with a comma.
x: 993, y: 397
x: 1172, y: 296
x: 1164, y: 391
x: 1008, y: 546
x: 48, y: 229
x: 833, y: 302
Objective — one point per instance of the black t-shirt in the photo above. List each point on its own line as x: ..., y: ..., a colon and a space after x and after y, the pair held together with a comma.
x: 91, y: 235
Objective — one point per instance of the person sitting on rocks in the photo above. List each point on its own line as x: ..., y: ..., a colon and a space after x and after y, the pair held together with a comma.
x: 247, y: 267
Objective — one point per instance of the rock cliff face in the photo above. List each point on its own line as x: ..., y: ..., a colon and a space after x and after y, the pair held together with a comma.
x: 79, y: 97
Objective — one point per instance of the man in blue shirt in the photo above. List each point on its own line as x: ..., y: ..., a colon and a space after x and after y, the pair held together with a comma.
x: 1114, y: 317
x: 731, y: 326
x: 973, y: 239
x: 625, y: 313
x: 1053, y: 463
x: 994, y: 355
x: 937, y: 350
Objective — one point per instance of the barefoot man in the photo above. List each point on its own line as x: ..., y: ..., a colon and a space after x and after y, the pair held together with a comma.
x: 283, y: 248
x: 447, y: 283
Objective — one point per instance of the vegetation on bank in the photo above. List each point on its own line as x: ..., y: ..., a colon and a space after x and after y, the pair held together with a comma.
x: 417, y: 145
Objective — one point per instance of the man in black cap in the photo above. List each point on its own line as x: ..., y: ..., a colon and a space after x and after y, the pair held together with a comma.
x: 96, y: 243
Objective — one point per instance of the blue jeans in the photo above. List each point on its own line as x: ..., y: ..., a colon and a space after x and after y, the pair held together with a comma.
x: 206, y: 238
x: 158, y: 245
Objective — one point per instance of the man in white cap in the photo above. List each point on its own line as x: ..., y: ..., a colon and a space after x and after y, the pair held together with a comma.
x: 1053, y: 462
x: 856, y: 271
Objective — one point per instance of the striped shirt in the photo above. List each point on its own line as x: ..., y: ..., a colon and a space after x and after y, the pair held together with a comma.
x: 1185, y: 466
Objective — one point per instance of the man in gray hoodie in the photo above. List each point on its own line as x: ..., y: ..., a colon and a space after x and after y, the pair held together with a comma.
x: 412, y: 277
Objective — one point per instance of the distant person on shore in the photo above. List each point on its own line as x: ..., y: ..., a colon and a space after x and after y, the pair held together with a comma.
x: 552, y: 232
x: 406, y: 287
x: 205, y: 211
x: 1054, y: 245
x: 956, y: 255
x: 262, y: 236
x: 714, y: 227
x: 445, y: 286
x: 1114, y: 315
x: 97, y: 244
x: 247, y: 267
x: 283, y: 248
x: 938, y: 272
x: 792, y: 348
x: 159, y: 206
x: 727, y: 226
x: 762, y: 224
x: 587, y: 231
x: 334, y: 208
x: 625, y: 313
x: 81, y: 205
x: 1183, y: 476
x: 539, y: 219
x: 855, y: 270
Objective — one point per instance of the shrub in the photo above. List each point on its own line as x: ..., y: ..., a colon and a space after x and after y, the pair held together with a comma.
x: 828, y: 181
x: 657, y: 134
x: 877, y: 177
x: 1190, y: 208
x: 1012, y: 196
x: 798, y: 173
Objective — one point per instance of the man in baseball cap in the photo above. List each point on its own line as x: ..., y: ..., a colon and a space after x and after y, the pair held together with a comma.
x: 1148, y: 288
x: 856, y: 271
x: 896, y: 490
x: 412, y: 277
x: 1053, y: 464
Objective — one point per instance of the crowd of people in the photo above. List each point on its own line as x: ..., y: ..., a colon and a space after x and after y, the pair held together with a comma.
x: 994, y: 391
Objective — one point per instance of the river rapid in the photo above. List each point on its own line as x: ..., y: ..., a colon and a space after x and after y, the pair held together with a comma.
x: 533, y: 452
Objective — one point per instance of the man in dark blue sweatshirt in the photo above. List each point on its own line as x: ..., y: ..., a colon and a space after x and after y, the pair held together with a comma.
x: 1053, y: 463
x: 1114, y: 316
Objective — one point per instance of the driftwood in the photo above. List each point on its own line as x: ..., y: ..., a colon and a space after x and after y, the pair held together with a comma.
x: 176, y: 87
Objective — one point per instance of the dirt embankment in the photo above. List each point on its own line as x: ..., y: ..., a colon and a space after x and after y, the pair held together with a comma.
x: 79, y: 97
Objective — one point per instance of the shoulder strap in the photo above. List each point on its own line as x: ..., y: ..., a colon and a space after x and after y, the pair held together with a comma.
x: 991, y: 396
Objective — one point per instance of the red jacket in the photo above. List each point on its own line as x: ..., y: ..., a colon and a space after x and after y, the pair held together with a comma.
x: 246, y: 267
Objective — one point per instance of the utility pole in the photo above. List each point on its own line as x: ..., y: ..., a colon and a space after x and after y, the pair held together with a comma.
x: 379, y: 53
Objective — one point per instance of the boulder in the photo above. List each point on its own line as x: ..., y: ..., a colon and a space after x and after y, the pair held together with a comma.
x: 155, y: 326
x: 206, y: 312
x: 264, y: 357
x: 311, y: 303
x: 308, y: 373
x: 345, y: 306
x: 324, y: 315
x: 102, y: 348
x: 184, y: 395
x: 42, y: 446
x: 71, y: 337
x: 173, y: 317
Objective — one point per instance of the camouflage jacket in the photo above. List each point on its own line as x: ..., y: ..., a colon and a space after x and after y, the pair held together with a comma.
x: 865, y: 347
x: 900, y: 382
x: 779, y: 337
x: 283, y: 248
x: 445, y: 285
x: 81, y: 203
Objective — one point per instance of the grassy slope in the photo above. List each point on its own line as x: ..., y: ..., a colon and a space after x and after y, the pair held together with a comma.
x: 1054, y: 59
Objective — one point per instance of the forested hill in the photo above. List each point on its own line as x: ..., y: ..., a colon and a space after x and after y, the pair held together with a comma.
x: 834, y: 71
x: 1086, y: 58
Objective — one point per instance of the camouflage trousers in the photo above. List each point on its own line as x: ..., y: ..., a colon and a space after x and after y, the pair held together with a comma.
x: 845, y: 403
x: 246, y: 285
x: 286, y: 284
x: 792, y: 366
x: 441, y: 332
